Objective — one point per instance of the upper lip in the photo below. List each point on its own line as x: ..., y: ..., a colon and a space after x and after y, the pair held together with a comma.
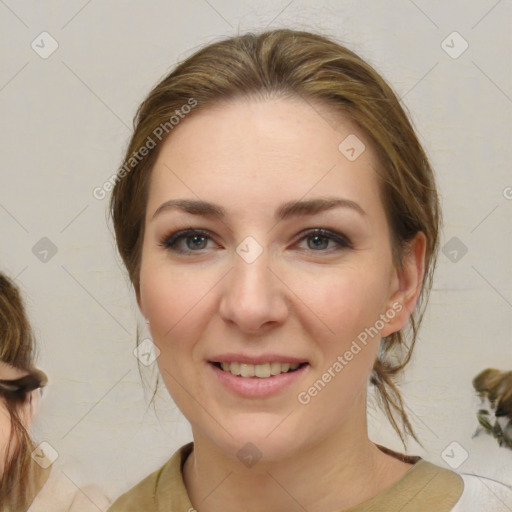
x: 261, y: 359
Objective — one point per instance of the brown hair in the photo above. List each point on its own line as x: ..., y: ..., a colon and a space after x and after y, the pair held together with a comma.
x: 289, y: 63
x: 21, y: 477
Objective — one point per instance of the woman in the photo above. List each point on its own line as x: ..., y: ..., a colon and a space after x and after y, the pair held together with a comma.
x: 279, y: 221
x: 25, y: 484
x: 20, y: 382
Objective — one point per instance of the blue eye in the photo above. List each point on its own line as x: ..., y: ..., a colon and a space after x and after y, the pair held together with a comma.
x: 320, y: 239
x: 194, y: 239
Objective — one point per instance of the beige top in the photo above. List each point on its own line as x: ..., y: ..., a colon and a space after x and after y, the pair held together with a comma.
x: 424, y: 488
x: 60, y: 494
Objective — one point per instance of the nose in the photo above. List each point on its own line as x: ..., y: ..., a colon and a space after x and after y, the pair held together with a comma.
x: 253, y: 299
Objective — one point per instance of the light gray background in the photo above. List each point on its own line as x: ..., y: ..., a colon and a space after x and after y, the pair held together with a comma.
x: 66, y: 123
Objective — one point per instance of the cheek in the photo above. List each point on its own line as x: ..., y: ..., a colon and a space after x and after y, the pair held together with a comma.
x: 345, y: 301
x: 166, y: 296
x: 176, y: 306
x: 346, y: 305
x: 176, y: 303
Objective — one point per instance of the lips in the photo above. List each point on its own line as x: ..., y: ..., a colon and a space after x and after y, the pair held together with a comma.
x: 263, y: 383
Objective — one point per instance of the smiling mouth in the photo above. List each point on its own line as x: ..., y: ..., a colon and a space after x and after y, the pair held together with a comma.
x: 262, y: 371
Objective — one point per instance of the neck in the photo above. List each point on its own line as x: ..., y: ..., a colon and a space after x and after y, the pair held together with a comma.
x: 339, y: 472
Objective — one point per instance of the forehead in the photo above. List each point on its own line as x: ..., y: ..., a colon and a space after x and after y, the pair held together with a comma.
x: 250, y: 152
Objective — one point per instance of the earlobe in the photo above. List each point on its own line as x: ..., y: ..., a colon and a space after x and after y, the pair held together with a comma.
x: 407, y: 284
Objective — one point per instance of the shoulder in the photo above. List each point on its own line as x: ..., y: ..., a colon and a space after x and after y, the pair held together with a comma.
x: 140, y: 497
x: 427, y: 487
x: 432, y: 487
x: 481, y: 493
x: 60, y: 494
x: 162, y: 490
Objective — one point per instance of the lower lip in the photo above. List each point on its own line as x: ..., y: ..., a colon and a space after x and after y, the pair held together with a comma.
x: 256, y: 387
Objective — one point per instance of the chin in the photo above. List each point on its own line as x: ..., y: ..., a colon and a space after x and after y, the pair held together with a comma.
x: 261, y: 437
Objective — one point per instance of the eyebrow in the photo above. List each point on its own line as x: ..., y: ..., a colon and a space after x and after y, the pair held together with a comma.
x: 285, y: 211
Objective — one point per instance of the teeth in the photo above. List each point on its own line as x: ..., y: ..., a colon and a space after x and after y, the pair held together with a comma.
x: 275, y: 368
x: 247, y: 370
x: 262, y: 371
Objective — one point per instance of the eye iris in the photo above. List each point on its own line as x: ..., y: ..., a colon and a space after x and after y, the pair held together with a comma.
x: 197, y: 241
x: 319, y: 242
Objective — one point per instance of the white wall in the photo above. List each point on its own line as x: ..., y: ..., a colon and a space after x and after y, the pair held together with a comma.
x: 66, y: 123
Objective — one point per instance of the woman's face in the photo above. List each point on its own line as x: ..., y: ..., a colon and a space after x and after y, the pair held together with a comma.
x: 290, y: 265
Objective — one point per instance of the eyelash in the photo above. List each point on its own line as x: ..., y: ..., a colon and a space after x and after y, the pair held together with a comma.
x: 170, y: 241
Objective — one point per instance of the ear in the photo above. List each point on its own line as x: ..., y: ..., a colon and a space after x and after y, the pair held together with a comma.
x: 406, y: 284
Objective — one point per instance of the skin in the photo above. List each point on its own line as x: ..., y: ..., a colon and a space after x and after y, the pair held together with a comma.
x: 251, y: 156
x: 27, y: 411
x: 5, y: 432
